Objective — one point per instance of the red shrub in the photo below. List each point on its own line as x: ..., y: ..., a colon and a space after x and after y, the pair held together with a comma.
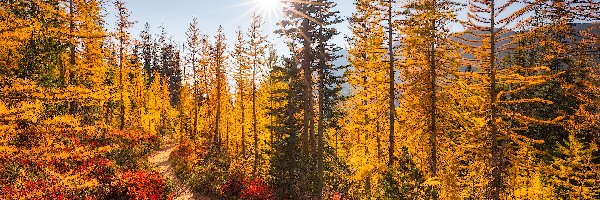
x: 234, y: 186
x: 256, y: 189
x: 141, y: 185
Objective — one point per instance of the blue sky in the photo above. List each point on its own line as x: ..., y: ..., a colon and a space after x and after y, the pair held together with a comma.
x: 175, y: 16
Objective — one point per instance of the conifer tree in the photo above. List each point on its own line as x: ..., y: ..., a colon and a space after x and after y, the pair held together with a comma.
x: 257, y: 43
x: 368, y: 105
x: 574, y: 172
x: 491, y: 26
x: 218, y: 63
x: 146, y: 52
x: 193, y: 46
x: 122, y: 35
x: 309, y: 24
x: 241, y: 60
x: 428, y: 65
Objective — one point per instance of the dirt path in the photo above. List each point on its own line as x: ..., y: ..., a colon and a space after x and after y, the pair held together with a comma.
x: 162, y: 161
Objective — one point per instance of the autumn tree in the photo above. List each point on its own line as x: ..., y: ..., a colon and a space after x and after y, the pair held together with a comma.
x: 574, y: 171
x: 193, y: 46
x: 218, y: 64
x: 241, y: 61
x: 122, y: 36
x: 492, y: 26
x: 257, y: 45
x: 368, y: 106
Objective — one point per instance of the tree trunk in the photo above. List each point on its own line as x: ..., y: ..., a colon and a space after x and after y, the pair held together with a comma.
x: 243, y: 123
x: 320, y: 125
x: 121, y: 87
x: 218, y: 116
x: 254, y: 120
x: 196, y: 99
x: 496, y: 178
x: 308, y: 100
x: 391, y: 82
x: 432, y: 120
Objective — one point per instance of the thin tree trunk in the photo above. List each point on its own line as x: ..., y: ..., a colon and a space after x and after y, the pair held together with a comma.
x: 496, y: 179
x: 196, y: 99
x: 65, y: 69
x: 433, y: 102
x: 121, y: 87
x: 218, y: 117
x: 320, y: 125
x: 243, y: 123
x: 65, y: 73
x: 391, y: 82
x: 254, y: 120
x: 308, y: 100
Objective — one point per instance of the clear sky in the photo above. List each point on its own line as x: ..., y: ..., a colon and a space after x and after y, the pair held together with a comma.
x: 175, y: 16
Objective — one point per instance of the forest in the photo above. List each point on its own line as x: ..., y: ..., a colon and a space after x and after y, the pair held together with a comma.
x: 437, y: 99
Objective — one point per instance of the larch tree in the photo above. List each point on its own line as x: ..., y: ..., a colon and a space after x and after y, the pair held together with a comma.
x: 122, y: 36
x: 218, y: 58
x: 241, y: 61
x: 257, y: 45
x: 428, y: 66
x: 193, y: 46
x: 389, y: 13
x: 574, y: 172
x: 368, y: 105
x: 490, y: 31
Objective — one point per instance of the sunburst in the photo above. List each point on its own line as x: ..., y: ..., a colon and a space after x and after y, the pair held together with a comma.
x: 268, y: 9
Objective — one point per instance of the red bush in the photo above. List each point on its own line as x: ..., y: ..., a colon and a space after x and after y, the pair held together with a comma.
x: 234, y: 186
x: 141, y: 185
x: 239, y: 186
x: 256, y: 189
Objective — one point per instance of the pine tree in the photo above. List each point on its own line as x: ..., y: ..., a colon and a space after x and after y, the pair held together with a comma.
x: 309, y: 24
x: 287, y: 161
x: 146, y: 54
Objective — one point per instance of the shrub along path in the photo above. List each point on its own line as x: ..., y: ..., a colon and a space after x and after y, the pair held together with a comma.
x: 162, y: 160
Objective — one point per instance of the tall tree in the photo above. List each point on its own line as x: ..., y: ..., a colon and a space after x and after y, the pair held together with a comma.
x: 309, y: 24
x: 367, y: 106
x: 122, y: 35
x: 258, y: 45
x: 329, y: 79
x: 193, y: 46
x: 427, y: 43
x: 491, y: 33
x: 218, y: 62
x: 146, y: 45
x: 241, y: 60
